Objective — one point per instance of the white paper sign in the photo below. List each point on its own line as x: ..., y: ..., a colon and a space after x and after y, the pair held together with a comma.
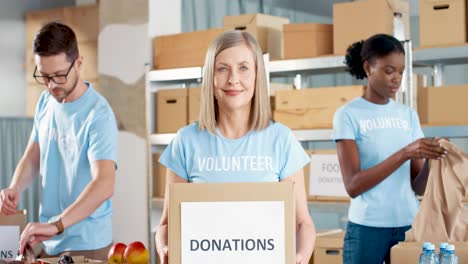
x: 9, y: 241
x: 325, y: 176
x: 232, y: 232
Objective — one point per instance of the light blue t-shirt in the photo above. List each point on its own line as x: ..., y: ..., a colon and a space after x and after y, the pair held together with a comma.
x: 268, y: 155
x: 379, y: 131
x: 71, y: 136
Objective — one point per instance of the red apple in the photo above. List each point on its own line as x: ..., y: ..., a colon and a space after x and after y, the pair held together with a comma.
x: 136, y: 253
x: 116, y: 253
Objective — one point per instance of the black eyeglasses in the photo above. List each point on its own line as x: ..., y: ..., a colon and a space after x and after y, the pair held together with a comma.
x: 57, y: 79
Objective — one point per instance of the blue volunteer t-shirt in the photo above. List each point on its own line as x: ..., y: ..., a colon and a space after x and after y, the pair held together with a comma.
x: 379, y: 131
x: 71, y: 136
x: 269, y: 155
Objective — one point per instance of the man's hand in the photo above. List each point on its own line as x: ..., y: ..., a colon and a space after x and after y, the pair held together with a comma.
x: 8, y: 201
x: 35, y: 233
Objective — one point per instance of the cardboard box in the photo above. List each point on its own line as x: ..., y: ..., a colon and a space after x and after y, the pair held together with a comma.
x: 10, y: 231
x: 171, y: 110
x: 408, y: 252
x: 84, y: 20
x: 89, y: 69
x: 268, y: 30
x: 159, y: 177
x: 307, y: 40
x: 274, y: 87
x: 230, y: 211
x: 329, y: 248
x: 33, y: 93
x: 359, y: 20
x: 184, y: 49
x: 445, y: 105
x: 193, y: 104
x: 442, y: 22
x: 312, y: 107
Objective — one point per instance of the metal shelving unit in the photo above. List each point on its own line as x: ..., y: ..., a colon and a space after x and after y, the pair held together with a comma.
x: 436, y: 58
x: 318, y: 65
x: 327, y: 134
x: 433, y: 57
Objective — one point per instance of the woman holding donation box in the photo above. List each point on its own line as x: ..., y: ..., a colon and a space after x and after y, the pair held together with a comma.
x: 382, y: 152
x: 236, y: 131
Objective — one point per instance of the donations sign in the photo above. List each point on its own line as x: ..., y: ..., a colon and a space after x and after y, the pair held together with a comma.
x: 231, y: 223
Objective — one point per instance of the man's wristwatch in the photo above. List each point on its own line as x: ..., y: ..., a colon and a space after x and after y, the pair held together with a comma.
x: 57, y: 221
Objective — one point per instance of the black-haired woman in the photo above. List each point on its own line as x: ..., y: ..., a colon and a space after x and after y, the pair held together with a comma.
x: 382, y: 152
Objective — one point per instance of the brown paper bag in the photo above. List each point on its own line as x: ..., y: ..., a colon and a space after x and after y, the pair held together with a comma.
x: 443, y: 216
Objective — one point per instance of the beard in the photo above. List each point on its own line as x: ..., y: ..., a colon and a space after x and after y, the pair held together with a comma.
x: 63, y: 92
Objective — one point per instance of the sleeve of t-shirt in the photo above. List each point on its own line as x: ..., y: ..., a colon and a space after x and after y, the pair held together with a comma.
x: 295, y: 158
x: 416, y: 126
x: 343, y: 127
x: 174, y: 158
x: 40, y: 103
x: 103, y: 137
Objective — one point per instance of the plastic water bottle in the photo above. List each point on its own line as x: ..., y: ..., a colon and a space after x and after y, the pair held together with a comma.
x: 442, y: 247
x: 429, y: 257
x: 424, y: 246
x: 450, y: 257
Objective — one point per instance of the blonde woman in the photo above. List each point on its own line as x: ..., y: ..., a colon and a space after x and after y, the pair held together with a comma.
x: 235, y: 123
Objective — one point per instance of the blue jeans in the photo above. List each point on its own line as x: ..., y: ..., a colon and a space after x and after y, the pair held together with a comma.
x: 370, y: 245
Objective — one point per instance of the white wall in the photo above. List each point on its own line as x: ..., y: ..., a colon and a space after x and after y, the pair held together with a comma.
x: 12, y: 51
x: 164, y: 17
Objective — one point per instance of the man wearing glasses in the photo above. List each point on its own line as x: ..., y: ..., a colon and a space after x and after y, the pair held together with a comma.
x: 73, y: 146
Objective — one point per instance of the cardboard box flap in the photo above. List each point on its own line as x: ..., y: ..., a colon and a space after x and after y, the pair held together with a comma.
x: 18, y: 219
x: 399, y: 6
x: 307, y: 27
x: 333, y: 239
x: 256, y: 19
x: 271, y: 21
x: 241, y: 20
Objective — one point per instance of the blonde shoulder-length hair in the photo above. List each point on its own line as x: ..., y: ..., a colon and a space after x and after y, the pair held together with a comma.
x: 260, y: 113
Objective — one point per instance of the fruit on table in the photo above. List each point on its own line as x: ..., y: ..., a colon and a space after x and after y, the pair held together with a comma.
x: 116, y: 253
x: 136, y: 253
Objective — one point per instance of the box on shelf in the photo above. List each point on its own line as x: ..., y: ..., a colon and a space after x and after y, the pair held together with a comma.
x: 33, y: 93
x: 307, y: 40
x: 268, y: 30
x: 442, y: 22
x: 171, y: 110
x: 274, y: 87
x: 159, y: 177
x: 408, y: 252
x: 193, y: 104
x: 329, y: 247
x: 369, y: 17
x: 444, y: 105
x: 10, y: 230
x: 312, y: 107
x: 183, y: 50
